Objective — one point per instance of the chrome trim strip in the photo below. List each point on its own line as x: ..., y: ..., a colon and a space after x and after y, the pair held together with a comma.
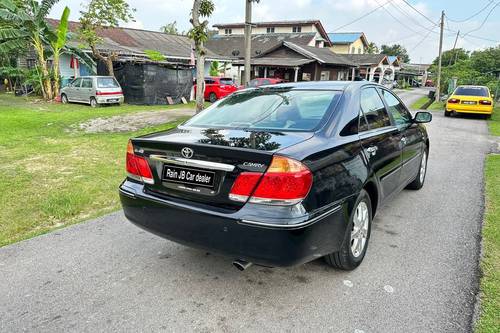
x: 377, y: 131
x: 293, y: 226
x: 411, y: 159
x: 193, y: 163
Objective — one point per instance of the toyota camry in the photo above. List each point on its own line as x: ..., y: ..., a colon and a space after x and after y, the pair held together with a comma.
x: 279, y: 175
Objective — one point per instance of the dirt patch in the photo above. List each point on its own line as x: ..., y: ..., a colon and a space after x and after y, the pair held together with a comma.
x: 132, y: 122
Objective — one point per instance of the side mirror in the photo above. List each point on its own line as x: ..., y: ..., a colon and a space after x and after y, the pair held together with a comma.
x: 422, y: 117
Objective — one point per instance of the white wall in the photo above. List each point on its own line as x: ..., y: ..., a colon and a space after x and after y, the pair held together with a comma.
x: 277, y: 30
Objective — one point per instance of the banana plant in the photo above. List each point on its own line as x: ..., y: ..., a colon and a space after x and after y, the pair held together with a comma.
x: 24, y: 23
x: 57, y: 44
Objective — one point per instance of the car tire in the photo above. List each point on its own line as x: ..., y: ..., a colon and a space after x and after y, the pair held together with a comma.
x: 488, y: 116
x: 212, y: 97
x: 64, y: 99
x: 93, y: 102
x: 447, y: 113
x: 356, y: 240
x: 419, y: 180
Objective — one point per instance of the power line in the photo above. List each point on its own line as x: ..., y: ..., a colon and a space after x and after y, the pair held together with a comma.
x: 418, y: 11
x: 421, y: 41
x: 394, y: 17
x: 473, y: 15
x: 363, y: 16
x: 484, y: 21
x: 410, y: 17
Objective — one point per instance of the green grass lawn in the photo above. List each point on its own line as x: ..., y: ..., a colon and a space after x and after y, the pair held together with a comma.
x: 419, y: 103
x: 489, y: 320
x: 52, y: 175
x: 436, y: 106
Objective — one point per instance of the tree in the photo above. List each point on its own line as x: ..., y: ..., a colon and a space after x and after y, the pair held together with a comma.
x: 57, y: 43
x: 372, y: 48
x: 450, y: 57
x: 395, y: 50
x: 199, y: 34
x: 170, y: 28
x: 214, y: 68
x: 99, y: 15
x: 24, y: 23
x: 478, y: 69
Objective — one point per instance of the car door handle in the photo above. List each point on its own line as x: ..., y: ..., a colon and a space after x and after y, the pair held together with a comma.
x: 372, y: 150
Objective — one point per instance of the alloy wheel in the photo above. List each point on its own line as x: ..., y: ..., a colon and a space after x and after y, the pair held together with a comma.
x: 423, y: 167
x: 359, y: 232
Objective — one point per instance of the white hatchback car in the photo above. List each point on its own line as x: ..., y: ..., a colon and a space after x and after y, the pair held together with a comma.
x: 93, y: 90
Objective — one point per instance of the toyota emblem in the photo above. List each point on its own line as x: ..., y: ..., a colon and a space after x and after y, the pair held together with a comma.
x: 187, y: 152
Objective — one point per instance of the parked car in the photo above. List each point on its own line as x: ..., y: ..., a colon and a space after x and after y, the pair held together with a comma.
x: 217, y: 88
x: 261, y: 81
x: 281, y: 175
x: 93, y: 90
x: 470, y: 99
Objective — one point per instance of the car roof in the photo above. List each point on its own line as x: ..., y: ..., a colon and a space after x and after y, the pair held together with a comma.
x: 324, y: 85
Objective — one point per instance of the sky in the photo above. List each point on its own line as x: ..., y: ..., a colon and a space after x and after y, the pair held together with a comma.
x: 393, y: 23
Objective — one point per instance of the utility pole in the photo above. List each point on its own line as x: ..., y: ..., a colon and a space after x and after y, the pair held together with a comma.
x: 248, y: 40
x: 438, y: 85
x: 454, y: 46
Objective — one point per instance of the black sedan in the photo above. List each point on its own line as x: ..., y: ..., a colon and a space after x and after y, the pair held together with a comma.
x: 279, y: 175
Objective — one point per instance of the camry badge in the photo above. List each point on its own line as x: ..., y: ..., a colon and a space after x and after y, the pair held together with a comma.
x: 187, y: 152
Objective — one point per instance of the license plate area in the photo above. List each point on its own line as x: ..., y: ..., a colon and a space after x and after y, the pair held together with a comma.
x: 174, y: 174
x: 469, y: 102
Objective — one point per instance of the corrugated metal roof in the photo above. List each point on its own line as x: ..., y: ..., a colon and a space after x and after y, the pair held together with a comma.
x: 129, y: 41
x: 344, y: 37
x: 234, y: 46
x: 280, y: 62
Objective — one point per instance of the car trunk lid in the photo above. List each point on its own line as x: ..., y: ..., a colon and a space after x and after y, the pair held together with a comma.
x: 201, y: 165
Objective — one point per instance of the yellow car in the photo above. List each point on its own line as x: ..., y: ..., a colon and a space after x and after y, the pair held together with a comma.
x: 470, y: 99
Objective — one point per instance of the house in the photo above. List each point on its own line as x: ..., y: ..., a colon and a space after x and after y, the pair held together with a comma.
x: 373, y: 67
x: 288, y: 56
x: 279, y: 27
x: 412, y: 73
x: 348, y: 42
x: 290, y: 50
x: 144, y: 80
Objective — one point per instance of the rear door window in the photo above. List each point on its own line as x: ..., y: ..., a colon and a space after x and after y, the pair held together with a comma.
x: 87, y: 83
x: 398, y: 111
x: 373, y: 109
x: 225, y: 80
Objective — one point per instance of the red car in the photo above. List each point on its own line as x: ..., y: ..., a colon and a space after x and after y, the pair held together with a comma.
x: 262, y: 81
x: 217, y: 88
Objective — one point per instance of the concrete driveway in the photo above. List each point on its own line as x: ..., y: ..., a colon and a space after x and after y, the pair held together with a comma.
x: 420, y: 273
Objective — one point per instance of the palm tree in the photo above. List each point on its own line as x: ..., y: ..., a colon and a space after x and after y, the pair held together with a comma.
x: 25, y: 23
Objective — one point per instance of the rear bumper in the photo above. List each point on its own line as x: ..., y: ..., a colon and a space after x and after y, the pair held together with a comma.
x: 110, y: 99
x: 477, y: 109
x: 231, y: 235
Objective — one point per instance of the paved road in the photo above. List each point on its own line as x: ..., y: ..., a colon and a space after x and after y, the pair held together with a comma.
x: 420, y: 273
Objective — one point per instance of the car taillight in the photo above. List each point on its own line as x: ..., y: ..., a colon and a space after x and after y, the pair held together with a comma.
x: 286, y: 182
x: 453, y: 100
x: 484, y: 102
x: 105, y: 93
x: 137, y: 166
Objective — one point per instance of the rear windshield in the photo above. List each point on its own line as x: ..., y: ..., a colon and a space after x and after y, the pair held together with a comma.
x: 269, y: 109
x: 471, y: 91
x: 225, y: 80
x: 107, y: 82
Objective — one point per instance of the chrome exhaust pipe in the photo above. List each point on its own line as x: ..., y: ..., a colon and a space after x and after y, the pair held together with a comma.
x: 241, y: 264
